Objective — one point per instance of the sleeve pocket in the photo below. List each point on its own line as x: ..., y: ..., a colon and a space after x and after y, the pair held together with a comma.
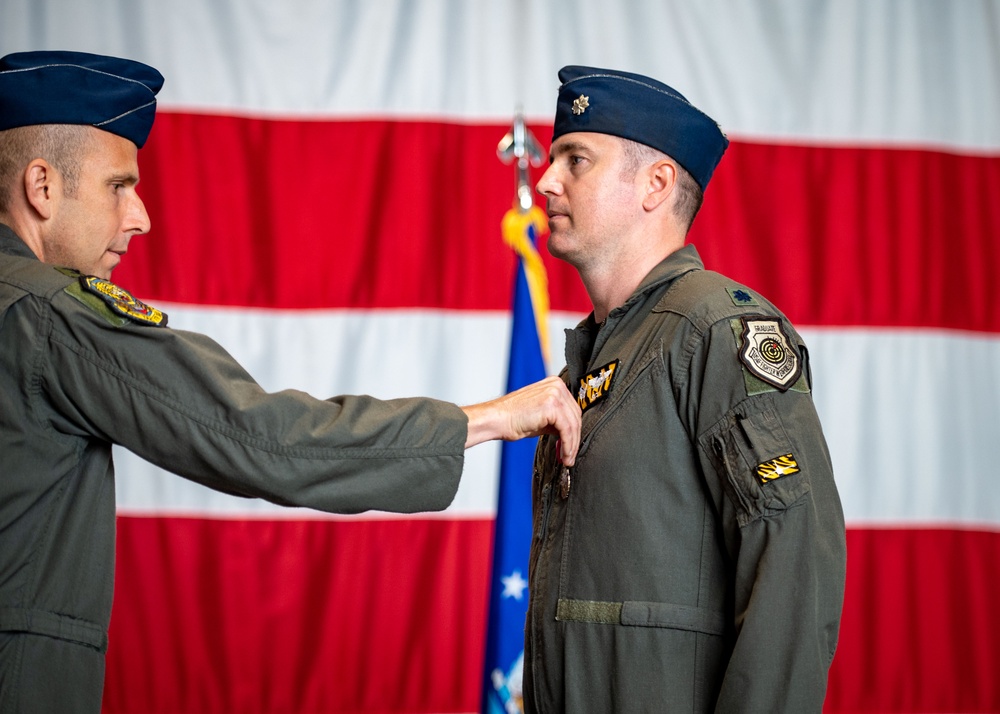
x: 755, y: 457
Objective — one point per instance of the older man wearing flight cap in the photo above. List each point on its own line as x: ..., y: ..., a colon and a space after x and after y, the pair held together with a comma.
x: 85, y: 365
x: 693, y: 559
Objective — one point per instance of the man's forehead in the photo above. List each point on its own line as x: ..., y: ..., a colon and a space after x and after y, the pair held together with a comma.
x: 113, y: 154
x: 583, y: 140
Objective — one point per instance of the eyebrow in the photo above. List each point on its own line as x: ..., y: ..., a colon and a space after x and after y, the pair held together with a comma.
x: 568, y: 147
x: 126, y: 177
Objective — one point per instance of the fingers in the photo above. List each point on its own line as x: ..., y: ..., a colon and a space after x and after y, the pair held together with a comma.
x: 545, y: 407
x: 566, y: 423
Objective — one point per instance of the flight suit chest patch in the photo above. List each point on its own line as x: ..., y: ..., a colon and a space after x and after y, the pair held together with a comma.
x: 595, y: 386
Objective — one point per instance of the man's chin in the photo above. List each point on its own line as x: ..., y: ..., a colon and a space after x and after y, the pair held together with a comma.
x: 107, y: 266
x: 556, y: 249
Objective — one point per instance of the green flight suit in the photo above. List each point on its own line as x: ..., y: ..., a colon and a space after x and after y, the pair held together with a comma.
x: 693, y: 559
x: 76, y: 377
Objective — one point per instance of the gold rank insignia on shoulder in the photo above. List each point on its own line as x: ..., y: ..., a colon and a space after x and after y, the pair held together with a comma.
x: 596, y: 386
x: 767, y: 353
x: 122, y: 302
x: 776, y: 468
x: 580, y: 104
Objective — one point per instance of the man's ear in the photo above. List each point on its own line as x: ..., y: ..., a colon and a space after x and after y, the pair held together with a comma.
x: 42, y: 186
x: 661, y: 179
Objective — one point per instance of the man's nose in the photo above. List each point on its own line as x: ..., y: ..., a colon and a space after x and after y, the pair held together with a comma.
x: 137, y: 219
x: 547, y: 184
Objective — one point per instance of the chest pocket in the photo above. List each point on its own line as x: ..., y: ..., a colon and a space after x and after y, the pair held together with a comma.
x: 622, y: 388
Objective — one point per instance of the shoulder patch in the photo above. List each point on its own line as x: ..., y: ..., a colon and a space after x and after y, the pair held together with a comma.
x: 741, y: 297
x: 122, y: 302
x: 767, y: 353
x: 596, y: 386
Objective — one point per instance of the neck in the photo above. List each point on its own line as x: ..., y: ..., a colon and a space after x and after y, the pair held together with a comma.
x: 610, y: 285
x: 608, y: 291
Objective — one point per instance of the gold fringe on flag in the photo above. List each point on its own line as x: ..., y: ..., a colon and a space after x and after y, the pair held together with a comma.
x: 514, y: 228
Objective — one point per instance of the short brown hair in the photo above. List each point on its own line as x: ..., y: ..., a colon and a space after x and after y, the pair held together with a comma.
x: 62, y: 145
x: 689, y: 195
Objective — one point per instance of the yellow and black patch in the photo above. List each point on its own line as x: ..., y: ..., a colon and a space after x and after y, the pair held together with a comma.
x: 122, y: 302
x: 596, y: 386
x: 776, y: 468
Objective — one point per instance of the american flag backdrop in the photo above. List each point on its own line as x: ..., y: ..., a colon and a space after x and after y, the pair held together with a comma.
x: 326, y: 201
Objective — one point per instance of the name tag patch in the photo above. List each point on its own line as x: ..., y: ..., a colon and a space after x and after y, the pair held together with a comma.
x: 596, y: 386
x: 122, y: 302
x: 767, y: 353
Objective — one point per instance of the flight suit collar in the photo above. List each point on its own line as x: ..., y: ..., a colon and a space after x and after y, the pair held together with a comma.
x: 588, y: 337
x: 11, y: 244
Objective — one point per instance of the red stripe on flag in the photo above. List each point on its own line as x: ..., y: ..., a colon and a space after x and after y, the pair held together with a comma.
x: 859, y: 236
x: 384, y: 214
x: 311, y: 616
x: 921, y: 623
x: 371, y: 616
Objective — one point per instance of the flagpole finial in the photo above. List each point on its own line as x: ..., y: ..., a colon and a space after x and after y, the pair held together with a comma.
x: 520, y: 144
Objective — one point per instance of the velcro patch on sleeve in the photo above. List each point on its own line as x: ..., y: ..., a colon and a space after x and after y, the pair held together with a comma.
x: 122, y: 302
x: 741, y: 297
x: 776, y: 468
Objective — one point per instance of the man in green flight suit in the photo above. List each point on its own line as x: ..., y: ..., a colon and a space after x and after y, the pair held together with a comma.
x: 85, y: 365
x: 693, y: 558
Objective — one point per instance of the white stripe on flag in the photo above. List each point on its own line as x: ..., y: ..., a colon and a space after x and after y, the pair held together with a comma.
x: 858, y: 71
x: 894, y: 465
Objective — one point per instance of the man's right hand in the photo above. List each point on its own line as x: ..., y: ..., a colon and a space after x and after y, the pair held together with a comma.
x: 545, y: 407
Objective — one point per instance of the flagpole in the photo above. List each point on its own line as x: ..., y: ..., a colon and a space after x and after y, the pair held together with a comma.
x: 521, y: 227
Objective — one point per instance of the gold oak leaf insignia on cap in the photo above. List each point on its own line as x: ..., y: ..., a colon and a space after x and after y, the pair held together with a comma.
x: 580, y: 104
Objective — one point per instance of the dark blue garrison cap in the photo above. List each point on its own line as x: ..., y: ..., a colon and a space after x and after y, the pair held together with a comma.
x: 634, y: 107
x: 57, y: 87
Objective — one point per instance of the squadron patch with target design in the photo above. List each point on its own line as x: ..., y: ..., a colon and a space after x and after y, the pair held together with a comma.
x: 767, y: 353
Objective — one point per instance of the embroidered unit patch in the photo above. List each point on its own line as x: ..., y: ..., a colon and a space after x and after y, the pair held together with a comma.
x: 740, y: 296
x: 122, y: 302
x: 595, y: 386
x: 767, y: 353
x: 776, y: 468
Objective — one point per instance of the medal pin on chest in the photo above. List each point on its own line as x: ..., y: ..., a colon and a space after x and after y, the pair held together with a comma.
x: 565, y: 481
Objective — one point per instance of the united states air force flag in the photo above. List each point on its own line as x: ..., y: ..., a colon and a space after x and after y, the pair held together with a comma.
x: 512, y: 539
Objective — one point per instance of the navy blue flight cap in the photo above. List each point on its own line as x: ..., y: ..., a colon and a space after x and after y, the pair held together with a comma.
x: 635, y: 107
x: 59, y: 87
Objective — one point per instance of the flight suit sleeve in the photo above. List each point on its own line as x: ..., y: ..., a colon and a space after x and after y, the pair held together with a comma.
x: 763, y: 453
x: 180, y: 401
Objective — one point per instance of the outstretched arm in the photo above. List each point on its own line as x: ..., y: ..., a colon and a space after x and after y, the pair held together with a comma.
x: 545, y: 407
